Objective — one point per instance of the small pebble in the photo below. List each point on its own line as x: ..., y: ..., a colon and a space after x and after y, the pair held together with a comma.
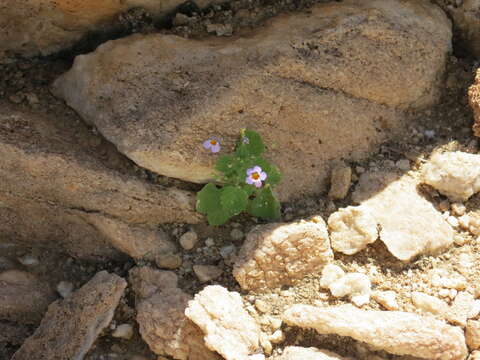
x: 207, y: 273
x: 277, y: 337
x: 237, y: 234
x: 459, y: 209
x: 64, y: 288
x: 28, y: 260
x: 168, y: 261
x: 453, y: 221
x: 227, y: 251
x: 124, y: 331
x: 403, y: 164
x: 262, y: 306
x: 189, y: 240
x: 209, y: 242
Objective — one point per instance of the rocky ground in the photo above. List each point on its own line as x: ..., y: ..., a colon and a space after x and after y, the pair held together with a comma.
x: 104, y: 259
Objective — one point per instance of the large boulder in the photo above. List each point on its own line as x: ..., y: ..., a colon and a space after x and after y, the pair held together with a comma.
x: 318, y: 86
x: 57, y: 192
x: 41, y: 27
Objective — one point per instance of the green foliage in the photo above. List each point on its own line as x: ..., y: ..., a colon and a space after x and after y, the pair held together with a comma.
x: 237, y: 195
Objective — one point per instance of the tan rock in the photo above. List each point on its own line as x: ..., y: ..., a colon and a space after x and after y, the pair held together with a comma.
x: 461, y: 308
x: 474, y: 222
x: 161, y: 316
x: 472, y: 334
x: 228, y: 328
x: 403, y: 215
x: 454, y: 174
x: 330, y: 274
x: 474, y: 355
x: 169, y: 261
x: 355, y: 285
x: 72, y: 199
x: 41, y: 27
x: 24, y: 297
x: 396, y: 332
x: 430, y: 304
x: 279, y: 254
x: 352, y: 229
x: 137, y: 93
x: 340, y: 181
x: 207, y: 273
x: 299, y: 353
x: 474, y: 101
x: 388, y: 299
x: 71, y: 325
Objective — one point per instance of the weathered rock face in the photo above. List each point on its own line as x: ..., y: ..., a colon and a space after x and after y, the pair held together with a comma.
x: 299, y: 353
x: 158, y: 97
x: 396, y: 332
x: 228, y: 328
x: 161, y: 316
x: 71, y: 326
x: 41, y: 27
x: 454, y: 174
x: 23, y: 297
x: 279, y: 254
x: 69, y: 199
x: 474, y: 101
x: 403, y: 215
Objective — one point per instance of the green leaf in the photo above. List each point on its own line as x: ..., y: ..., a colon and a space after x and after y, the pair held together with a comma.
x: 265, y: 205
x: 225, y: 164
x: 250, y: 143
x: 218, y: 217
x: 273, y: 175
x: 208, y: 199
x: 233, y: 199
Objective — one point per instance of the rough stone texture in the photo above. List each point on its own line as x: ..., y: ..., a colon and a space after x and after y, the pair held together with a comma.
x: 474, y: 101
x: 396, y: 332
x: 472, y: 334
x: 340, y: 181
x: 71, y: 326
x: 299, y: 353
x: 228, y: 328
x: 70, y: 198
x: 13, y: 333
x: 158, y: 97
x: 24, y: 298
x: 428, y: 303
x: 161, y: 316
x: 41, y: 27
x: 278, y: 254
x: 403, y: 215
x: 330, y: 274
x: 388, y: 299
x: 454, y: 174
x: 355, y: 285
x: 461, y: 308
x: 352, y: 229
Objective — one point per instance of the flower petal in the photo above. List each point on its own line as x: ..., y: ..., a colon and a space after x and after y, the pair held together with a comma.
x: 258, y: 184
x: 249, y: 180
x: 250, y: 171
x: 215, y: 148
x: 206, y: 144
x: 263, y: 175
x: 257, y: 169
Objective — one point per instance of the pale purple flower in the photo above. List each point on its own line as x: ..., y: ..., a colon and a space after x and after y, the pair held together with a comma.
x: 212, y: 144
x: 255, y: 176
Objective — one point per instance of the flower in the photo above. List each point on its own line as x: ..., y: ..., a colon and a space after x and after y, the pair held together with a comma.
x: 255, y: 176
x: 246, y: 140
x: 212, y: 144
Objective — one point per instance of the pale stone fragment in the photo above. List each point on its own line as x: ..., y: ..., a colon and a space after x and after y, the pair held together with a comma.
x: 279, y: 254
x: 396, y: 332
x: 352, y: 229
x: 454, y: 174
x: 299, y: 353
x: 428, y: 303
x: 330, y: 274
x: 388, y: 299
x: 356, y: 285
x: 472, y: 334
x: 228, y: 328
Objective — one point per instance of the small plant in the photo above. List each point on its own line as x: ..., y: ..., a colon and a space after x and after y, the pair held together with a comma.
x: 247, y: 180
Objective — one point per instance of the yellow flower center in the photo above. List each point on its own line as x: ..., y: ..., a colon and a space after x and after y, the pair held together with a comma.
x: 255, y: 176
x: 213, y: 142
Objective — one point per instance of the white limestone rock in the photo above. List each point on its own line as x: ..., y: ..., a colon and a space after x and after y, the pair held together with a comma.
x: 352, y: 229
x: 330, y: 274
x: 396, y: 332
x: 454, y: 174
x: 300, y: 353
x: 355, y: 285
x: 279, y: 254
x: 228, y: 328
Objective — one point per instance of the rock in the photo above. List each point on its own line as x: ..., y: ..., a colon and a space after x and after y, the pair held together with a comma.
x: 388, y: 299
x: 472, y: 334
x: 355, y: 285
x: 459, y: 209
x: 64, y: 288
x: 32, y: 28
x: 340, y: 181
x: 189, y: 240
x: 28, y: 260
x: 330, y: 274
x: 124, y: 331
x: 461, y: 308
x: 262, y: 306
x: 13, y: 333
x: 220, y: 29
x: 403, y: 215
x: 24, y: 297
x: 277, y: 337
x: 228, y: 328
x: 396, y: 332
x: 474, y: 355
x: 454, y: 174
x: 71, y: 326
x: 168, y: 261
x: 237, y: 234
x: 72, y: 199
x: 352, y: 229
x: 474, y: 101
x: 137, y: 93
x: 279, y: 254
x: 161, y: 317
x: 474, y: 222
x: 430, y: 304
x: 299, y: 353
x: 206, y: 273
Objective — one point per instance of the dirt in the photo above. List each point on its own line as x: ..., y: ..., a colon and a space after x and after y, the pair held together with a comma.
x: 25, y: 83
